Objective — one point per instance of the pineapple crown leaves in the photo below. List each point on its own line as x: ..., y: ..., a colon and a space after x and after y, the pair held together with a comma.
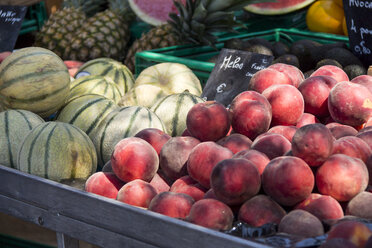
x: 122, y: 8
x: 89, y: 7
x: 198, y: 20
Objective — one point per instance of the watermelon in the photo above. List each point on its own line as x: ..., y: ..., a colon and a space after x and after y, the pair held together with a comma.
x: 86, y: 112
x: 173, y: 109
x: 57, y: 151
x: 100, y: 85
x: 119, y: 124
x: 156, y: 13
x: 34, y: 79
x: 278, y: 7
x: 14, y: 127
x: 117, y: 71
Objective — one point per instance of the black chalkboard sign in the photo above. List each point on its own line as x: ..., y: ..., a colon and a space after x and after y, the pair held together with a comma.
x: 232, y: 73
x: 11, y: 18
x: 358, y: 15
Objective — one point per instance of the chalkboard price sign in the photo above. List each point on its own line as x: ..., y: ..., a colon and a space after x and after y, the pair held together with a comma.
x: 358, y: 15
x: 11, y: 18
x: 232, y: 73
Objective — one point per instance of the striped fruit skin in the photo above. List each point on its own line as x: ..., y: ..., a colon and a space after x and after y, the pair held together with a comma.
x: 119, y: 124
x: 173, y: 109
x: 57, y: 151
x: 15, y: 124
x: 34, y: 79
x: 117, y: 71
x: 86, y: 112
x: 171, y: 77
x: 99, y: 85
x: 145, y: 95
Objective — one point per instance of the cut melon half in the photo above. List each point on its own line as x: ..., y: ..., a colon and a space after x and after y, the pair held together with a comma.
x: 154, y: 12
x: 278, y: 7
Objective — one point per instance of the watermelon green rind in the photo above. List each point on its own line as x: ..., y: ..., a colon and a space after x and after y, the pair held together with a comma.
x: 279, y: 7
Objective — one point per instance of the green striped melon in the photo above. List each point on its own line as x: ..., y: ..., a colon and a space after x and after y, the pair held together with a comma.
x: 57, y: 151
x: 145, y: 95
x: 86, y: 112
x: 173, y: 109
x: 99, y: 85
x: 119, y: 124
x: 117, y: 71
x: 171, y: 77
x: 15, y: 124
x: 34, y: 79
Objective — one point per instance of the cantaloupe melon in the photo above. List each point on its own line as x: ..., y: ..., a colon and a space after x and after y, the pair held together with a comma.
x: 34, y: 79
x: 14, y: 127
x: 57, y: 151
x: 145, y: 95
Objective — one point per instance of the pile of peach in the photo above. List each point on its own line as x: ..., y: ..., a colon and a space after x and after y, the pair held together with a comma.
x: 289, y: 150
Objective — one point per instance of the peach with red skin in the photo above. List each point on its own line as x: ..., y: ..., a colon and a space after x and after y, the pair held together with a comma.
x: 259, y: 159
x: 260, y: 210
x: 286, y: 131
x: 339, y: 131
x: 295, y: 183
x: 176, y: 205
x: 208, y: 121
x: 188, y: 186
x: 338, y: 242
x: 267, y: 77
x: 293, y: 72
x: 249, y: 95
x: 313, y: 143
x: 212, y: 214
x: 356, y: 232
x: 360, y: 205
x: 286, y: 102
x: 235, y: 142
x: 159, y: 183
x: 301, y: 223
x: 315, y: 91
x: 350, y: 103
x: 107, y: 167
x: 104, y: 183
x: 155, y: 137
x: 137, y: 193
x: 369, y: 168
x: 210, y: 194
x: 353, y: 147
x: 202, y: 158
x: 366, y: 136
x: 4, y: 55
x: 365, y: 80
x: 332, y: 71
x: 324, y: 207
x: 134, y: 158
x: 235, y: 180
x: 271, y: 144
x: 342, y: 177
x: 307, y: 119
x: 174, y: 155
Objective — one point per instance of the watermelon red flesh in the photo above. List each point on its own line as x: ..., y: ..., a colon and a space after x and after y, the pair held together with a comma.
x: 154, y: 12
x: 278, y: 7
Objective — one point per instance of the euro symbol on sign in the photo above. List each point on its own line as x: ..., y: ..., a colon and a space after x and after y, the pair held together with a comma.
x: 220, y: 88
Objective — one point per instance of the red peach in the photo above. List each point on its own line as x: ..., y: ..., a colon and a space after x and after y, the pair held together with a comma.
x: 134, y: 158
x: 259, y: 159
x: 155, y: 137
x: 4, y: 55
x: 339, y: 131
x: 212, y: 214
x: 353, y: 147
x: 293, y: 72
x: 286, y: 102
x: 332, y: 71
x: 188, y: 186
x: 360, y: 205
x: 286, y: 131
x: 366, y: 136
x: 249, y: 95
x: 295, y: 183
x: 307, y: 119
x: 267, y: 77
x: 137, y: 193
x: 176, y: 205
x: 208, y: 121
x: 356, y: 232
x: 104, y: 183
x: 342, y: 177
x: 159, y: 183
x: 271, y: 144
x: 369, y: 168
x: 235, y: 142
x: 365, y: 80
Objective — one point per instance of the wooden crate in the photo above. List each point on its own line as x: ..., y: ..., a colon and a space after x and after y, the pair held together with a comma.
x: 78, y: 215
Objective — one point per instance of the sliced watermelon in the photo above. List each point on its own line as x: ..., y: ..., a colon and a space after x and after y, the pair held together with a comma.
x: 154, y: 12
x: 278, y: 7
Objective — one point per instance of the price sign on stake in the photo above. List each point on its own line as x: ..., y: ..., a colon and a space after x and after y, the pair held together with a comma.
x: 358, y: 15
x: 11, y: 18
x: 232, y: 73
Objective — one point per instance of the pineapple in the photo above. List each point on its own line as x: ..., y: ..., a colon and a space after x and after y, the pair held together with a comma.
x: 105, y: 34
x: 58, y: 31
x: 196, y: 23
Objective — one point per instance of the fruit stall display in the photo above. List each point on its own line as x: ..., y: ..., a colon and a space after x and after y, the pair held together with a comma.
x: 97, y: 153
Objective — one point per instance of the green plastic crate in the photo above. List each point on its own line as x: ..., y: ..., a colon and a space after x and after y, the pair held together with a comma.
x: 12, y: 242
x: 34, y: 19
x: 195, y: 57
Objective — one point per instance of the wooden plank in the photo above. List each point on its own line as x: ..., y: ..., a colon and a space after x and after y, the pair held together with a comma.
x: 85, y: 209
x: 65, y: 241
